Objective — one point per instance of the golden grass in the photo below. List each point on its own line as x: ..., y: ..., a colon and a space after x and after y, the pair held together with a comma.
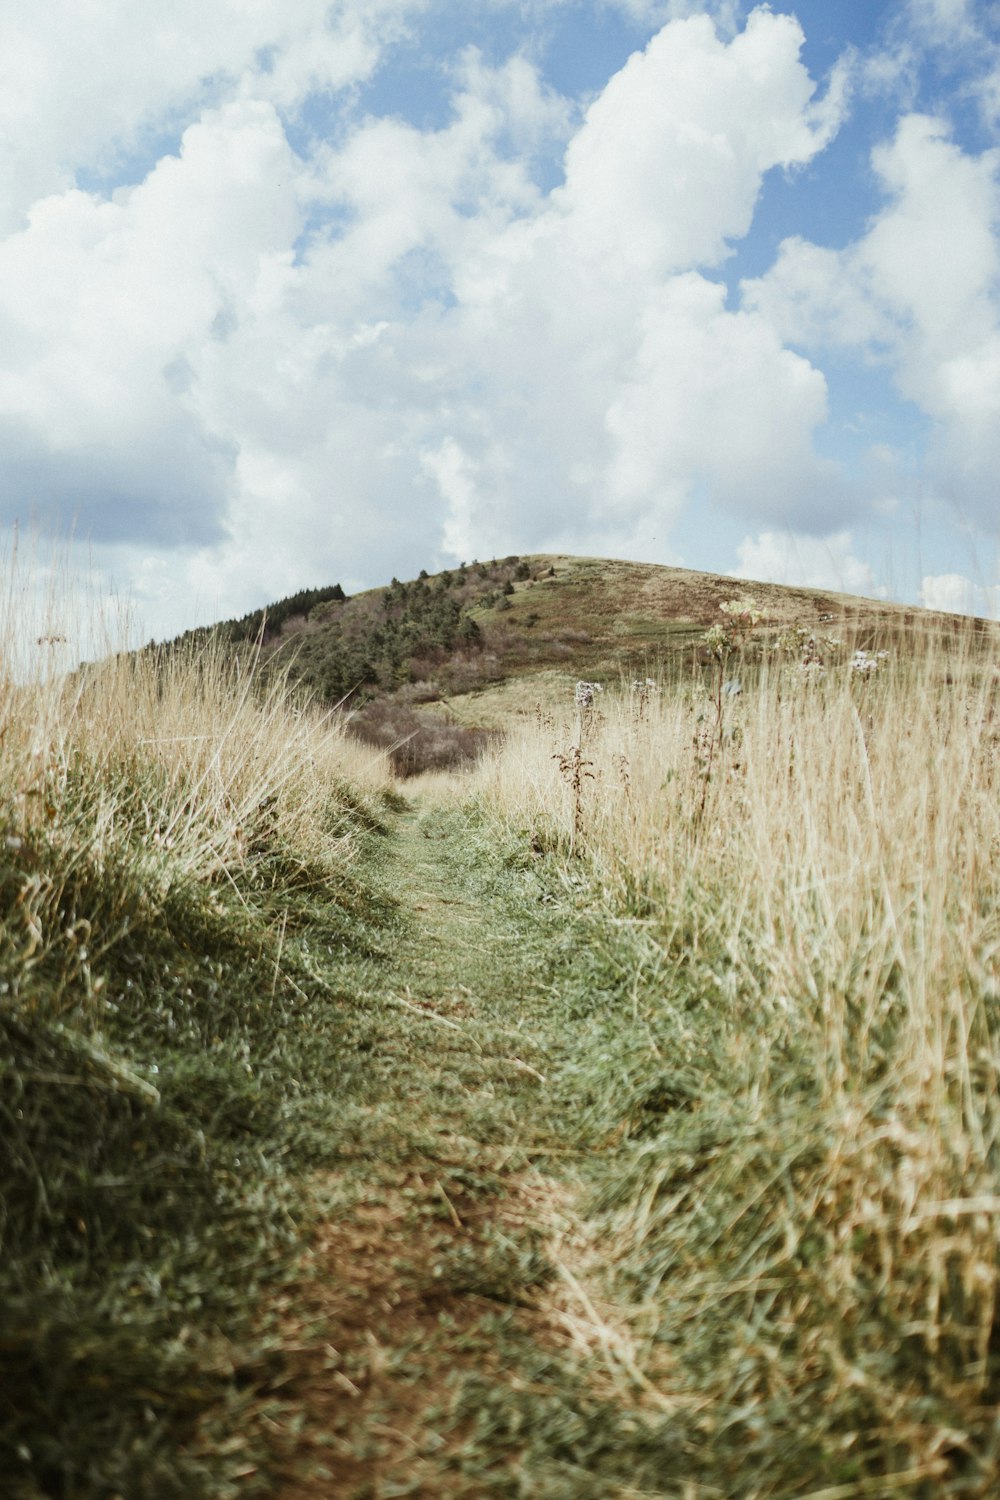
x: 171, y: 828
x: 822, y: 1210
x: 173, y: 766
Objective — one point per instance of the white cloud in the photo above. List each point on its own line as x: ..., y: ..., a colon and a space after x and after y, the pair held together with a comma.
x: 920, y: 291
x: 960, y: 39
x: 456, y: 478
x: 944, y: 23
x: 291, y: 369
x: 933, y: 257
x: 106, y: 308
x: 522, y: 368
x: 807, y: 562
x: 816, y: 297
x: 713, y: 396
x: 922, y: 279
x: 957, y: 594
x: 667, y: 166
x: 84, y: 87
x: 613, y: 380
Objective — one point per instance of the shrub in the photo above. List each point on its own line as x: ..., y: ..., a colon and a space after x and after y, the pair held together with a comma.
x: 415, y: 742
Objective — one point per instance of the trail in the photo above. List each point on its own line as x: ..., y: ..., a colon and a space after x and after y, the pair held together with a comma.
x: 424, y: 1299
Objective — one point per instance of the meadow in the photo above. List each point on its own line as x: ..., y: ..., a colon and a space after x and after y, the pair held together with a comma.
x: 799, y: 885
x: 164, y: 826
x: 647, y: 1069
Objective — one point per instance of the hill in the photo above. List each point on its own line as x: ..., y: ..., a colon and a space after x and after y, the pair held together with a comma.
x: 623, y: 1110
x: 431, y: 666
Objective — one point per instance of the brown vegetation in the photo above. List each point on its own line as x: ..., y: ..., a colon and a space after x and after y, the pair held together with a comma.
x: 416, y: 742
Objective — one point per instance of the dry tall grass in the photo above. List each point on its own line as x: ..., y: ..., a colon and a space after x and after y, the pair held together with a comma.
x: 813, y: 1227
x: 171, y: 767
x: 169, y: 827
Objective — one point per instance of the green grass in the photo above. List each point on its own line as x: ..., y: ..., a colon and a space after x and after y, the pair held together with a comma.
x: 776, y: 998
x: 762, y: 1386
x: 319, y: 1059
x: 376, y: 1149
x: 247, y: 1062
x: 143, y: 1231
x: 186, y: 888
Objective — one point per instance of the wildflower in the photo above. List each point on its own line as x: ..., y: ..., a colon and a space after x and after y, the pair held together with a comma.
x: 747, y: 609
x: 585, y: 693
x: 717, y: 639
x: 864, y: 663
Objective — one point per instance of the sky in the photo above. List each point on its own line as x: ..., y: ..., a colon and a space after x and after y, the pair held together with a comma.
x: 296, y: 292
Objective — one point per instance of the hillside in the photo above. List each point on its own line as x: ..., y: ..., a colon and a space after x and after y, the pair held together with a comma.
x: 618, y: 1119
x: 428, y: 668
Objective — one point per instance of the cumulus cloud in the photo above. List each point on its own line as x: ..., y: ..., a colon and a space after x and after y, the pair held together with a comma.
x: 920, y: 292
x: 691, y: 123
x: 617, y: 380
x: 714, y: 396
x: 106, y: 308
x: 397, y: 345
x: 87, y: 87
x: 924, y: 276
x: 957, y: 594
x: 808, y: 561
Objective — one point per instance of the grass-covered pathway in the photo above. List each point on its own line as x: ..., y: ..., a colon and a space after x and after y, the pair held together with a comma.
x: 439, y: 1172
x: 290, y: 1201
x: 446, y: 1317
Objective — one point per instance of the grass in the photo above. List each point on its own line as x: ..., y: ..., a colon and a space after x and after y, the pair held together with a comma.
x: 790, y: 1040
x: 264, y: 1076
x: 165, y: 832
x: 593, y: 1135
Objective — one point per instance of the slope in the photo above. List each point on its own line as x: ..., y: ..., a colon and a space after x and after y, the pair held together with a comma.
x: 424, y: 667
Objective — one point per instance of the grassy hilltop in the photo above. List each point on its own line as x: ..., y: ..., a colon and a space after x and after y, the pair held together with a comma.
x: 613, y: 1112
x: 428, y: 664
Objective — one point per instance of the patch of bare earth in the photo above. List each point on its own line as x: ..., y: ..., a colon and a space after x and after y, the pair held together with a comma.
x: 385, y: 1342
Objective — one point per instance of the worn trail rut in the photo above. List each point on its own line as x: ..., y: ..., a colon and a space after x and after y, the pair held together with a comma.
x: 430, y: 1276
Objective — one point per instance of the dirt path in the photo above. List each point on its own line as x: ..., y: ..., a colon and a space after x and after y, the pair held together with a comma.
x: 426, y: 1310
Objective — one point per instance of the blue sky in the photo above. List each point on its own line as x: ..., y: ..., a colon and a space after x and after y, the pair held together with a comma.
x: 305, y: 292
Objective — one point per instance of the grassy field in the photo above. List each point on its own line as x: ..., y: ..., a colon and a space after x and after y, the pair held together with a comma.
x: 424, y: 666
x: 617, y: 1118
x: 168, y: 838
x: 798, y: 884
